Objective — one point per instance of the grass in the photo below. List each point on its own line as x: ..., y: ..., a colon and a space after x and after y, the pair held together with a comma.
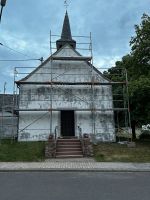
x: 103, y: 152
x: 113, y: 152
x: 21, y: 151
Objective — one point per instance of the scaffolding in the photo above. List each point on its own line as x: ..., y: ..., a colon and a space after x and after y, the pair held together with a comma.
x: 8, y: 119
x: 120, y: 101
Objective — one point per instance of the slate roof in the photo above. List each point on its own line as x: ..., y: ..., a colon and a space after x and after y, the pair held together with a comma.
x: 66, y: 31
x: 66, y: 37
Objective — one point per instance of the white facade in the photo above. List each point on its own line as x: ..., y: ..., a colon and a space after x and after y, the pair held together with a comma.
x: 36, y: 100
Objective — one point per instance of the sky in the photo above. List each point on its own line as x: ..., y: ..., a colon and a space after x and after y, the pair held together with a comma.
x: 26, y: 24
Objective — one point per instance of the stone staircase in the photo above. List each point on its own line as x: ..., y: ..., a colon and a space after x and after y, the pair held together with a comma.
x: 69, y: 148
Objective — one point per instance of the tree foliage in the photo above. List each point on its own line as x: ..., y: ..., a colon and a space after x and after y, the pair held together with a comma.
x: 139, y: 72
x: 140, y: 99
x: 140, y: 46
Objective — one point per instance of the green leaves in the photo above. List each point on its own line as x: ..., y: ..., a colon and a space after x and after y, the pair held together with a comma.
x: 139, y: 72
x: 140, y: 46
x: 140, y: 99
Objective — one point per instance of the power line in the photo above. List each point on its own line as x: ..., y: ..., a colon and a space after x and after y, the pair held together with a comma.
x: 40, y: 59
x: 14, y: 50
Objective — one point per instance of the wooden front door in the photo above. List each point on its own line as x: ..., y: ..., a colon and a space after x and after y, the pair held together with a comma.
x: 67, y: 123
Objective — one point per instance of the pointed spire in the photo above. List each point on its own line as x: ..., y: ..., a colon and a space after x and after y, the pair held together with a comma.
x: 66, y: 31
x: 66, y: 36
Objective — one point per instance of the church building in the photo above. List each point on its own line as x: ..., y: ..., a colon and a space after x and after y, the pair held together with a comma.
x: 66, y: 96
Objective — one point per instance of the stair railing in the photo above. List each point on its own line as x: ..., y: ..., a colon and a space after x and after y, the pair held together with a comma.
x: 55, y: 137
x: 80, y: 132
x: 81, y: 138
x: 56, y: 132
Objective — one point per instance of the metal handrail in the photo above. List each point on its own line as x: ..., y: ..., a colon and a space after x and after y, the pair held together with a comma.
x: 56, y: 129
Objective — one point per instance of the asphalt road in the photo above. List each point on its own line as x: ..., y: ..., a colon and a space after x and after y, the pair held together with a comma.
x: 74, y: 186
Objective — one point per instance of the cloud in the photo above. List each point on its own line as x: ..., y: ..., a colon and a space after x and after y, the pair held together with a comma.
x: 26, y: 28
x: 105, y: 62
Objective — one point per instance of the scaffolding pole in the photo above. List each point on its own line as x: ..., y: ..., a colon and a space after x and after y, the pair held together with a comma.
x: 51, y: 85
x: 77, y: 109
x: 92, y: 83
x: 128, y: 102
x: 92, y: 87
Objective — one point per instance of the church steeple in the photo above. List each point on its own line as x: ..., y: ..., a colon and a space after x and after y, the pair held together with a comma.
x: 66, y: 37
x: 66, y: 32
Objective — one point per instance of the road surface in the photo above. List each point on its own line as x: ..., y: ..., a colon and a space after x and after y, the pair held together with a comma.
x: 74, y: 186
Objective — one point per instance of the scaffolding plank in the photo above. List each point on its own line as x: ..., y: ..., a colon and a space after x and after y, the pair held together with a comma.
x: 77, y: 109
x: 68, y: 83
x: 77, y: 58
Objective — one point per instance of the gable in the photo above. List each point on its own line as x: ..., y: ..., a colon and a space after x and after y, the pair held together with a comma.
x: 72, y: 69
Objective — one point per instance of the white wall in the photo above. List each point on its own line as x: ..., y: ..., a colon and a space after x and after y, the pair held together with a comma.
x: 35, y: 126
x: 70, y: 97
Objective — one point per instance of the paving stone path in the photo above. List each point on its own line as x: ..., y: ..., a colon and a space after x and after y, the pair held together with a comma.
x: 81, y: 164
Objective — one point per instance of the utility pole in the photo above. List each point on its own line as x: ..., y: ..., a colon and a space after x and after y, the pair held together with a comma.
x: 3, y: 3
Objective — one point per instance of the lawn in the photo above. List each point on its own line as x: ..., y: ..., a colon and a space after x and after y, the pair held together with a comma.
x: 11, y: 151
x: 21, y: 151
x: 114, y: 152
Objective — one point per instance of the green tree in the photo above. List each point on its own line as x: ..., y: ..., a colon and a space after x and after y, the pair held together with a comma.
x: 139, y: 72
x: 140, y: 46
x: 140, y: 99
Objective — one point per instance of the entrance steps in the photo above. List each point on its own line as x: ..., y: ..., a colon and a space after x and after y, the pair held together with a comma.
x: 69, y: 148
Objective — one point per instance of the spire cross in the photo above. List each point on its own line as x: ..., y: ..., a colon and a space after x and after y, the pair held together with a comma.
x: 66, y: 4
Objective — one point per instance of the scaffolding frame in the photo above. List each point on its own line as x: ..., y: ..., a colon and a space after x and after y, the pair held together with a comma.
x: 8, y: 120
x: 58, y: 84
